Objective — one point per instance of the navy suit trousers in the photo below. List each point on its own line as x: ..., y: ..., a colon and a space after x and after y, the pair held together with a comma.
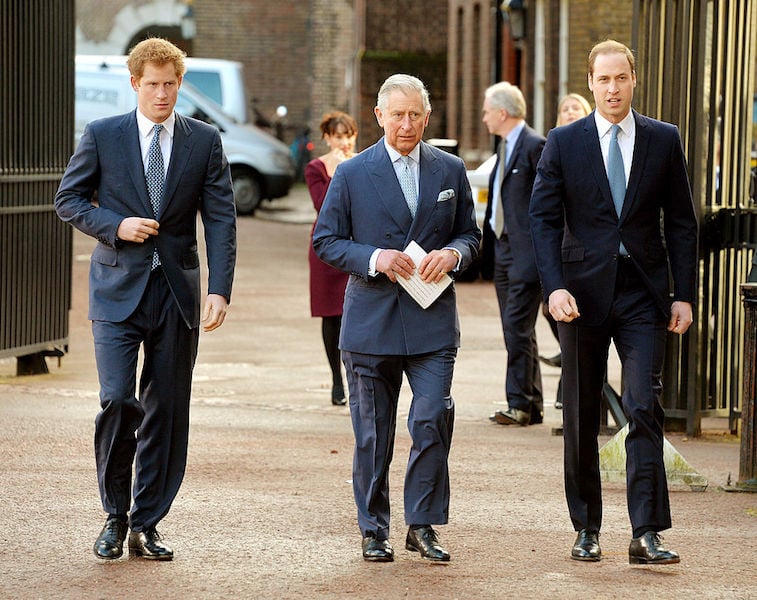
x: 519, y: 303
x: 150, y: 430
x: 638, y: 329
x: 375, y: 382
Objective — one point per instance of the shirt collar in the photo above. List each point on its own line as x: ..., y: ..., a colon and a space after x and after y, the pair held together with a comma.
x: 146, y: 125
x: 627, y: 125
x: 394, y: 156
x: 512, y: 137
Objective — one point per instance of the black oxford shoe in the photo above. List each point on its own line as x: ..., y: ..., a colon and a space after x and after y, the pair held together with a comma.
x: 586, y: 546
x: 424, y: 540
x: 149, y: 544
x: 648, y: 550
x: 110, y: 543
x: 512, y: 416
x: 377, y: 550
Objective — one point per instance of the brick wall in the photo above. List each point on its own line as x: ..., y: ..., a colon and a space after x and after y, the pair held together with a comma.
x: 404, y: 37
x: 271, y: 40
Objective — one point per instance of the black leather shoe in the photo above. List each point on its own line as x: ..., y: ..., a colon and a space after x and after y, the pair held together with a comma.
x: 648, y: 550
x: 149, y: 544
x: 586, y: 546
x: 425, y: 541
x: 512, y: 416
x: 110, y: 543
x: 377, y: 550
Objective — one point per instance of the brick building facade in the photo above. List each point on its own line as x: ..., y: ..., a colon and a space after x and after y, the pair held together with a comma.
x: 322, y: 55
x: 546, y: 60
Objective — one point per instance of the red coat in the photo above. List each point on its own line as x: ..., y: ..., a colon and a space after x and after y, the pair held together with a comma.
x: 326, y: 283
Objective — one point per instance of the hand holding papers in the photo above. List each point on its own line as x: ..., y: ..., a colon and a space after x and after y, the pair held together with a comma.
x: 423, y: 292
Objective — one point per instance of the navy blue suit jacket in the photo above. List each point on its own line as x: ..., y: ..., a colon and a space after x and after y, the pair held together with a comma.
x: 365, y: 209
x: 516, y: 185
x: 105, y: 182
x: 575, y: 229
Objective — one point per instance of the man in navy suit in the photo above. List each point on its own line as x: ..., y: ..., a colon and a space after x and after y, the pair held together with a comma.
x: 366, y: 222
x: 613, y: 222
x: 507, y: 235
x: 144, y: 287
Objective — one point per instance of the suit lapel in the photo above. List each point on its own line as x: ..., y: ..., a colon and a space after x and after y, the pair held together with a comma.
x: 640, y: 153
x: 129, y: 141
x: 382, y: 175
x: 594, y: 156
x: 430, y: 184
x: 180, y: 152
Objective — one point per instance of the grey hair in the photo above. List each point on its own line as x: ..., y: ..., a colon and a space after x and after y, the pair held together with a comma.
x: 405, y: 83
x: 508, y: 97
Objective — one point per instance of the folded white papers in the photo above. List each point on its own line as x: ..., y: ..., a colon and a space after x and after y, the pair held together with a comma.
x: 423, y: 292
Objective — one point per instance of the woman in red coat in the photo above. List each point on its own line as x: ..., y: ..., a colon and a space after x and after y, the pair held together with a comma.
x: 327, y: 284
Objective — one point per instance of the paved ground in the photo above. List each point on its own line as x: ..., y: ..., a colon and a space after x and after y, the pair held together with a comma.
x: 266, y: 508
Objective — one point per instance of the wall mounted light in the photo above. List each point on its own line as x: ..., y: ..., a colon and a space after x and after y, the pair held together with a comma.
x: 514, y: 14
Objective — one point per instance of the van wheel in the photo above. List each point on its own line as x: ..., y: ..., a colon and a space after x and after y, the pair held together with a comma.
x: 247, y: 193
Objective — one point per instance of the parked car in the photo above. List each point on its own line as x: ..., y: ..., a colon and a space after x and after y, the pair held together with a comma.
x: 261, y: 166
x: 479, y: 183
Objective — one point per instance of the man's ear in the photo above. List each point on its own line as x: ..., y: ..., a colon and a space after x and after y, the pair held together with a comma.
x: 379, y: 118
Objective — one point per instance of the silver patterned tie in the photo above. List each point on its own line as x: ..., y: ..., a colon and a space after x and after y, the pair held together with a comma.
x: 499, y: 209
x: 616, y: 175
x: 407, y: 183
x: 155, y: 177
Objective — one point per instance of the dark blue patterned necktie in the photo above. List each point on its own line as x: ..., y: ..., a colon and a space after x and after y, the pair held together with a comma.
x: 155, y: 177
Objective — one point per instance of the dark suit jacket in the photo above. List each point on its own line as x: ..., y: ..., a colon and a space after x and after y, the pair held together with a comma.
x: 517, y: 183
x: 576, y: 231
x: 108, y: 161
x: 365, y: 209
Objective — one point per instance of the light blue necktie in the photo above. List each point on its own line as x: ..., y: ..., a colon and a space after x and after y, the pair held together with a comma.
x: 407, y: 183
x: 616, y: 175
x: 155, y: 178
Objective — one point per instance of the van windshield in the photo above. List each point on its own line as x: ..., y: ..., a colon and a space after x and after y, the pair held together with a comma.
x: 208, y: 82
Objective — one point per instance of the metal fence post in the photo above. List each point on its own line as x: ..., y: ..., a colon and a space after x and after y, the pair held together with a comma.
x: 748, y: 457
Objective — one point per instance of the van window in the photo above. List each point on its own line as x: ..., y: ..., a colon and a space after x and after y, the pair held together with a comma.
x: 208, y: 82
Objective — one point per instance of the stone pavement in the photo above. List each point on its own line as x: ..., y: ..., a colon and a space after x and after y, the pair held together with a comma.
x: 266, y: 507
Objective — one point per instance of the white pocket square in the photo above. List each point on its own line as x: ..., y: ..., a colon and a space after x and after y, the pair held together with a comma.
x: 445, y: 195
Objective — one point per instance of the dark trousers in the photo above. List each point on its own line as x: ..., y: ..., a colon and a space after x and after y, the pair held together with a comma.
x: 638, y: 329
x: 519, y: 303
x: 375, y: 383
x: 150, y: 430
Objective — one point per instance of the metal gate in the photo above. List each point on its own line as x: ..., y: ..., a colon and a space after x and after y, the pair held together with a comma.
x: 696, y: 61
x: 36, y: 140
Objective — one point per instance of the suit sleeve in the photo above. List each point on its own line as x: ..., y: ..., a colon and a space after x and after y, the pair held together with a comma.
x: 74, y: 198
x: 680, y: 225
x: 219, y: 221
x: 332, y: 236
x: 546, y: 216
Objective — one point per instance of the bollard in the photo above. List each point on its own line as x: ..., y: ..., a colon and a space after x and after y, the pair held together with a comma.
x: 748, y: 457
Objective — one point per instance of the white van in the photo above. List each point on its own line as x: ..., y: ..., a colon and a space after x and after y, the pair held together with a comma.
x: 261, y: 166
x: 220, y: 80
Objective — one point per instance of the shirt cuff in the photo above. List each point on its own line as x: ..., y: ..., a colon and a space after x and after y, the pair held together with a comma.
x: 457, y: 253
x: 372, y: 262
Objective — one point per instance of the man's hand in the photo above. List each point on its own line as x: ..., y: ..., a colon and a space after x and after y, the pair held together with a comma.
x: 562, y: 306
x: 681, y: 317
x: 137, y: 229
x: 436, y: 263
x: 214, y: 312
x: 393, y: 262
